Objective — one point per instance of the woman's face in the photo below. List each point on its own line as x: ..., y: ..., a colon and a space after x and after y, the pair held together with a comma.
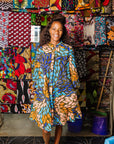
x: 56, y: 31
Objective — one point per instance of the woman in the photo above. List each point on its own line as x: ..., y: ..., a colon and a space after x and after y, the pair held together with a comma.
x: 55, y: 80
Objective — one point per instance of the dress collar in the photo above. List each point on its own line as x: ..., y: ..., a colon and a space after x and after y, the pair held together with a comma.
x: 52, y: 45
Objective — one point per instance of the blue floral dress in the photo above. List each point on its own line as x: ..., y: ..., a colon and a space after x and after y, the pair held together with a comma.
x: 55, y: 80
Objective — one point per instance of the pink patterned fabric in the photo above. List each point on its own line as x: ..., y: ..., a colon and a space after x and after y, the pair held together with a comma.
x: 19, y: 29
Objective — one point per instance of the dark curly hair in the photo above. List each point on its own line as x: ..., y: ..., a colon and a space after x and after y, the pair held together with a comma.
x: 45, y: 35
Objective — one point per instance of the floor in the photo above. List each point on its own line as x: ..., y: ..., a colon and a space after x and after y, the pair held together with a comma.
x: 18, y: 129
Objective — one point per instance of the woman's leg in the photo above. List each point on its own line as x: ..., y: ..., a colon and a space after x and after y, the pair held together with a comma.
x: 58, y: 133
x: 46, y: 136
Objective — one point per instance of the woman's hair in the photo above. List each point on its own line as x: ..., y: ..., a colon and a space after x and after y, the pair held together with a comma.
x: 45, y: 35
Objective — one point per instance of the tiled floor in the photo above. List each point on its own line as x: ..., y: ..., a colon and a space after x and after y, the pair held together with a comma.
x: 18, y: 129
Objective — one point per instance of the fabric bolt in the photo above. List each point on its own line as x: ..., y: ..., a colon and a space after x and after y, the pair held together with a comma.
x: 100, y: 30
x: 81, y: 4
x: 74, y: 26
x: 23, y: 4
x: 55, y: 4
x: 80, y: 57
x: 15, y: 108
x: 5, y: 108
x: 4, y: 28
x: 92, y: 60
x: 106, y: 7
x: 32, y: 91
x: 68, y: 4
x: 35, y: 19
x: 22, y: 63
x: 23, y: 93
x: 7, y: 63
x: 45, y: 19
x: 6, y: 4
x: 19, y: 31
x: 39, y: 3
x: 55, y: 77
x: 110, y: 30
x: 26, y: 108
x: 8, y: 94
x: 89, y: 31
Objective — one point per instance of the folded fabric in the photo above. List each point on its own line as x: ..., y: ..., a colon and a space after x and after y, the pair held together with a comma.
x: 106, y: 7
x: 7, y: 63
x: 35, y: 19
x: 19, y: 31
x: 6, y: 4
x: 23, y: 4
x: 68, y: 4
x: 23, y: 92
x: 110, y: 30
x: 89, y: 31
x: 55, y: 4
x: 100, y: 30
x: 22, y: 63
x: 4, y: 22
x: 8, y: 93
x: 41, y: 3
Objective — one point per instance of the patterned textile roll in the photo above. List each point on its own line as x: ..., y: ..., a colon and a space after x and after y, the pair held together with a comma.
x: 68, y: 4
x: 6, y: 4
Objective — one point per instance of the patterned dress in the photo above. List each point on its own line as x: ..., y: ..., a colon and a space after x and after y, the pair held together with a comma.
x: 55, y: 80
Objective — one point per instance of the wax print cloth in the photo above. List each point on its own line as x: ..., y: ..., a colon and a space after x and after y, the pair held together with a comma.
x: 7, y: 63
x: 89, y: 31
x: 41, y: 3
x: 23, y: 4
x: 74, y: 26
x: 4, y: 28
x: 106, y: 7
x: 35, y: 19
x: 100, y: 30
x: 22, y: 63
x: 19, y: 31
x: 55, y: 4
x: 6, y: 4
x: 55, y: 79
x: 8, y: 94
x: 110, y: 30
x: 68, y: 4
x: 23, y: 93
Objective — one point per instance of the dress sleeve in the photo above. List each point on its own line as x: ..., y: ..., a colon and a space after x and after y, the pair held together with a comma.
x: 38, y: 71
x: 72, y: 70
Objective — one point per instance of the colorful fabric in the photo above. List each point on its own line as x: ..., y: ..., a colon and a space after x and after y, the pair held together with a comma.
x: 7, y: 63
x: 55, y: 4
x: 23, y: 92
x: 80, y: 57
x: 45, y: 19
x: 19, y: 31
x: 92, y: 60
x: 22, y: 63
x: 4, y: 28
x: 39, y: 3
x: 106, y: 7
x: 55, y: 77
x: 80, y: 4
x: 89, y: 31
x: 35, y: 19
x: 100, y: 30
x: 68, y: 4
x: 24, y: 4
x: 8, y: 93
x: 110, y: 30
x: 6, y: 4
x: 74, y: 26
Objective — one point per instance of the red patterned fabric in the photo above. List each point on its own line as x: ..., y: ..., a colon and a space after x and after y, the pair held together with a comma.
x: 19, y: 29
x: 41, y: 3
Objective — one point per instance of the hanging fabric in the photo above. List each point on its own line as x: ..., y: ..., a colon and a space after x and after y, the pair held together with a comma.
x: 35, y: 19
x: 55, y: 4
x: 4, y: 28
x: 8, y: 93
x: 110, y: 30
x: 22, y: 4
x: 41, y: 3
x: 100, y: 30
x: 7, y: 63
x: 68, y: 4
x: 106, y: 7
x: 6, y: 4
x: 19, y: 29
x: 22, y: 63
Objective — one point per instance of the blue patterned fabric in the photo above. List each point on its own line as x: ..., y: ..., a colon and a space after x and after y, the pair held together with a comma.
x: 55, y: 79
